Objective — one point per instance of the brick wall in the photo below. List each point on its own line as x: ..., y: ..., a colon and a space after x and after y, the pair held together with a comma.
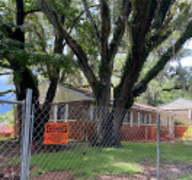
x: 142, y: 132
x: 183, y: 132
x: 81, y: 130
x: 182, y: 115
x: 84, y: 130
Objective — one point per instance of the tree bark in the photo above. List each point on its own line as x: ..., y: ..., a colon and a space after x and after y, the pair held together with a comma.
x: 42, y: 115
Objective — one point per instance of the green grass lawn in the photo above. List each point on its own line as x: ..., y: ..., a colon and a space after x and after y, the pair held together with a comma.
x: 2, y: 143
x: 2, y: 139
x: 85, y: 162
x: 185, y: 177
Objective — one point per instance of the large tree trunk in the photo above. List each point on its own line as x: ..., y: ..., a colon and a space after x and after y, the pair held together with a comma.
x: 42, y: 112
x: 108, y: 127
x: 24, y: 78
x: 42, y: 115
x: 22, y: 75
x: 108, y: 121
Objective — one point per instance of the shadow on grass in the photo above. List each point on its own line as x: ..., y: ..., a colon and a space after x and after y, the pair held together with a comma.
x: 83, y: 161
x: 88, y: 162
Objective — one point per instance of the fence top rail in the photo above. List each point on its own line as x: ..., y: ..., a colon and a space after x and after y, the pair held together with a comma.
x: 12, y: 102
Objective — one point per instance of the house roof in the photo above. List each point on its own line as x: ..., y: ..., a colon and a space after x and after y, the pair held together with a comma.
x: 177, y: 104
x: 145, y: 106
x: 65, y: 93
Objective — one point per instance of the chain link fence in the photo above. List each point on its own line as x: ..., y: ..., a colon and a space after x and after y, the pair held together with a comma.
x: 73, y: 141
x: 81, y: 158
x: 11, y: 116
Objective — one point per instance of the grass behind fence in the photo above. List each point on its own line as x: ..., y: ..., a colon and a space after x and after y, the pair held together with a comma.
x: 87, y: 162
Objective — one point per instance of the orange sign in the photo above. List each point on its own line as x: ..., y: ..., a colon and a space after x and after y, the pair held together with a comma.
x: 56, y: 133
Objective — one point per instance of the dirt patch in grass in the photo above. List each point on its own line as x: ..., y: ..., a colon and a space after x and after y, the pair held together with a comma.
x: 167, y: 171
x: 12, y: 172
x: 58, y: 175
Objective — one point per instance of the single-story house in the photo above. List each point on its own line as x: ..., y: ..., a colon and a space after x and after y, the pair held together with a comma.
x: 181, y: 107
x: 76, y: 107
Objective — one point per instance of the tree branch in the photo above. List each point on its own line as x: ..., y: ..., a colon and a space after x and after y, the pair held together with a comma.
x: 119, y: 29
x: 161, y: 34
x: 105, y: 18
x: 31, y: 11
x: 5, y: 65
x: 142, y: 85
x: 54, y: 74
x: 164, y: 26
x: 78, y: 17
x: 91, y: 20
x: 7, y: 91
x: 77, y: 49
x: 148, y: 15
x: 176, y: 87
x: 5, y: 73
x: 75, y: 21
x: 2, y: 6
x: 163, y: 10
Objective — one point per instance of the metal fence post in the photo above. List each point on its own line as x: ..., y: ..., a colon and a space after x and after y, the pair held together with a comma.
x: 158, y: 145
x: 26, y: 137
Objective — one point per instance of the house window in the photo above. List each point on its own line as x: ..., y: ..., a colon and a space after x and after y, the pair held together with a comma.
x: 148, y: 118
x: 142, y: 118
x: 127, y: 117
x: 61, y: 112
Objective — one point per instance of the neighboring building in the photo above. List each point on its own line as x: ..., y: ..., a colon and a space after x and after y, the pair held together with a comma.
x: 5, y: 130
x: 182, y: 108
x: 76, y: 107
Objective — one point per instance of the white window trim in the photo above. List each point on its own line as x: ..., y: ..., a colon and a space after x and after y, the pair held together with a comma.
x: 138, y: 118
x: 150, y: 118
x: 91, y: 112
x: 131, y: 119
x: 66, y: 112
x: 55, y: 113
x: 190, y: 114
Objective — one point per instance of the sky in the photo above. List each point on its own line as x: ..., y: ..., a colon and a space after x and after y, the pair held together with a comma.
x: 3, y: 84
x: 4, y: 107
x: 187, y: 61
